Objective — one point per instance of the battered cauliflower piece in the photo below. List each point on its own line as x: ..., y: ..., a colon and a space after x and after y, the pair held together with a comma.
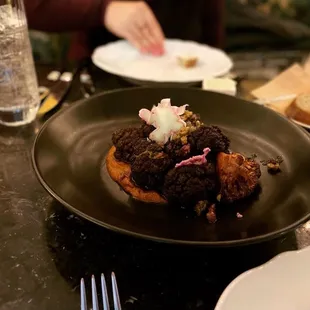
x: 187, y: 185
x: 209, y: 136
x: 177, y: 151
x: 149, y: 168
x: 129, y: 143
x: 130, y: 133
x: 238, y: 176
x: 147, y: 129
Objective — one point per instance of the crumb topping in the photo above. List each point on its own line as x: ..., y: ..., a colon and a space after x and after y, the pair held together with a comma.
x: 273, y: 164
x: 211, y: 214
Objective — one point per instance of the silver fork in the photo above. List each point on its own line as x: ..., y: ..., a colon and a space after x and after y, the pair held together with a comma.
x: 105, y: 298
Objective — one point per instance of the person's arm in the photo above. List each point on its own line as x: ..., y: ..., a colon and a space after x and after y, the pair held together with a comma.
x: 65, y: 15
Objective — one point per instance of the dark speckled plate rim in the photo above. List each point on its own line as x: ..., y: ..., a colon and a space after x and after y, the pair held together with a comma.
x: 213, y: 244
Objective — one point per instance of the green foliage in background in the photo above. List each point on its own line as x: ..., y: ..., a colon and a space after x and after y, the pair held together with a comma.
x: 296, y: 9
x: 50, y: 48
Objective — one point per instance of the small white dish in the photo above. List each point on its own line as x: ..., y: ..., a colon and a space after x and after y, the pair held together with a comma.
x: 281, y: 284
x: 221, y: 85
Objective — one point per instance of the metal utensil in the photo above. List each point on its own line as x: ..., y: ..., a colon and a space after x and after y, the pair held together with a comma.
x: 104, y: 291
x: 56, y: 94
x: 87, y: 85
x: 51, y: 79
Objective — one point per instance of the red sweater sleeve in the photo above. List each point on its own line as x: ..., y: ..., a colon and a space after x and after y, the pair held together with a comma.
x: 64, y: 15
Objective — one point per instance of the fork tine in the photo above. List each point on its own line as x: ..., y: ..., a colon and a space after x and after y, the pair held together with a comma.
x: 116, y: 299
x: 83, y: 296
x: 105, y: 298
x: 94, y: 293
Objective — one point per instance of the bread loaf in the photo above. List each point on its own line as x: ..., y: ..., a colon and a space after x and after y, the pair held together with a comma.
x: 299, y: 110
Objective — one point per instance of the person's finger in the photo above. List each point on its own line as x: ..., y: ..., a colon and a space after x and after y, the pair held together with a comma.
x: 142, y: 37
x: 150, y: 42
x: 154, y: 47
x: 155, y: 29
x: 141, y: 28
x: 134, y: 39
x: 148, y: 37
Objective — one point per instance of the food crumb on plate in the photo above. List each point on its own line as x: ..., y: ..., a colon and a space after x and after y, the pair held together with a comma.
x: 211, y: 215
x: 252, y: 156
x: 200, y: 207
x: 187, y: 61
x: 239, y: 215
x: 273, y: 164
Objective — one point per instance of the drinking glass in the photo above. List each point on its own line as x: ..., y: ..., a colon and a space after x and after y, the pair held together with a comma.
x: 19, y: 95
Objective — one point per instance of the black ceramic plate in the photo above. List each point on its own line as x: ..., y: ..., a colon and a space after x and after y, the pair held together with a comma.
x: 69, y: 160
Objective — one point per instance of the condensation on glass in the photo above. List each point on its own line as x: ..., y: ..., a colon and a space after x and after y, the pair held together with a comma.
x: 19, y: 96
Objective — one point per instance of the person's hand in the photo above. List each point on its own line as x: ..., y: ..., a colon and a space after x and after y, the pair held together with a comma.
x: 135, y: 22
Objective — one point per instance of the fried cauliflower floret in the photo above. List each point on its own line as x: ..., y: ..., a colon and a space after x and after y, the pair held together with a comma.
x: 178, y: 147
x: 238, y: 176
x: 149, y: 168
x: 177, y: 150
x: 147, y: 129
x: 209, y: 136
x: 129, y: 143
x: 131, y: 133
x: 187, y: 185
x: 127, y: 150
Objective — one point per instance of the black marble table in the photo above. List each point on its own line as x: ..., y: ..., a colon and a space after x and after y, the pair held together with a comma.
x: 45, y: 250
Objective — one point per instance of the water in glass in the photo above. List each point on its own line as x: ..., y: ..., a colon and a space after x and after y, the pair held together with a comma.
x: 19, y: 96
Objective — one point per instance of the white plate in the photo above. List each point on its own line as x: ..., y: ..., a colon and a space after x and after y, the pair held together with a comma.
x: 281, y: 284
x: 122, y: 59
